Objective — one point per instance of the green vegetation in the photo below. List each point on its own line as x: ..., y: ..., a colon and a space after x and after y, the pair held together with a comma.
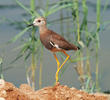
x: 77, y: 25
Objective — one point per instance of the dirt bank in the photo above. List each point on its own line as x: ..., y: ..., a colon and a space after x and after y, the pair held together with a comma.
x: 58, y: 92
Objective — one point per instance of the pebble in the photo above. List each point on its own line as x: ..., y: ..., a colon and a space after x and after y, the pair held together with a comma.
x: 2, y: 98
x: 2, y: 83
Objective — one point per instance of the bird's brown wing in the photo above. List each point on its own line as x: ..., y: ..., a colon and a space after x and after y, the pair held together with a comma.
x: 60, y: 42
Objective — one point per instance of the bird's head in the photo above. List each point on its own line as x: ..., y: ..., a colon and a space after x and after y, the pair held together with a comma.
x: 41, y: 21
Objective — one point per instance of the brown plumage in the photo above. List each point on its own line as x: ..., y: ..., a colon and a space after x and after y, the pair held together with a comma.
x: 53, y: 42
x: 50, y: 39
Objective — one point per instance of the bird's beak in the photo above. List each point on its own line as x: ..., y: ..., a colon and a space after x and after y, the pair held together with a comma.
x: 30, y: 25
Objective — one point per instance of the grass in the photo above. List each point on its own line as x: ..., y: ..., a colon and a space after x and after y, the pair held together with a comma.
x: 86, y: 37
x: 97, y: 42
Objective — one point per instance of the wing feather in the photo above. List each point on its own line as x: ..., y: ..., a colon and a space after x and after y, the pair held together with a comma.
x: 60, y: 42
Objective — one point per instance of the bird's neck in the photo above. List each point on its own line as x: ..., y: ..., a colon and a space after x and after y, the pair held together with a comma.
x: 43, y: 29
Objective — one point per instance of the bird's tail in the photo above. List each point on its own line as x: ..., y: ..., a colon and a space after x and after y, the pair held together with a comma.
x: 74, y: 47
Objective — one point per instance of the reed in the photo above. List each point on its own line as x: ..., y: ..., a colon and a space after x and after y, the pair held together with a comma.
x: 84, y: 26
x: 41, y: 64
x: 97, y: 43
x: 84, y: 37
x: 30, y: 47
x: 33, y: 64
x: 79, y: 67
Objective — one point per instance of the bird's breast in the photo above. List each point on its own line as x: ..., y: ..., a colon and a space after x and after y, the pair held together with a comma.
x: 45, y: 40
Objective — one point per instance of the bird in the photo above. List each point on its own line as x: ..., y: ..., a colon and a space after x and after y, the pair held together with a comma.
x: 54, y: 42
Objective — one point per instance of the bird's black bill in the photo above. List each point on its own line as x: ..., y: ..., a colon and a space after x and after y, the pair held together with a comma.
x: 30, y: 25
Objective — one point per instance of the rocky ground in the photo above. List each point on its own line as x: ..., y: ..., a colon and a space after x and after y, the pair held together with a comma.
x: 58, y: 92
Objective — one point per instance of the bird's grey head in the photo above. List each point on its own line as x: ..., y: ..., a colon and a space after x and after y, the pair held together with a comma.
x: 41, y: 21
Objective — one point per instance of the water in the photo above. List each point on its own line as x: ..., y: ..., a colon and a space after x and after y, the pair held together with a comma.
x: 9, y: 10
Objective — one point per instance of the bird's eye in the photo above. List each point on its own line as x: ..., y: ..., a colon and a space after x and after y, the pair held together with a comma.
x: 39, y: 21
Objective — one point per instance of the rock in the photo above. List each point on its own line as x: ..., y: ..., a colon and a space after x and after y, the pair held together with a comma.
x: 2, y: 83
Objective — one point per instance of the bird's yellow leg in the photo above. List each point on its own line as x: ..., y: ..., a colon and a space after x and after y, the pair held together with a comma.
x: 62, y: 64
x: 58, y: 64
